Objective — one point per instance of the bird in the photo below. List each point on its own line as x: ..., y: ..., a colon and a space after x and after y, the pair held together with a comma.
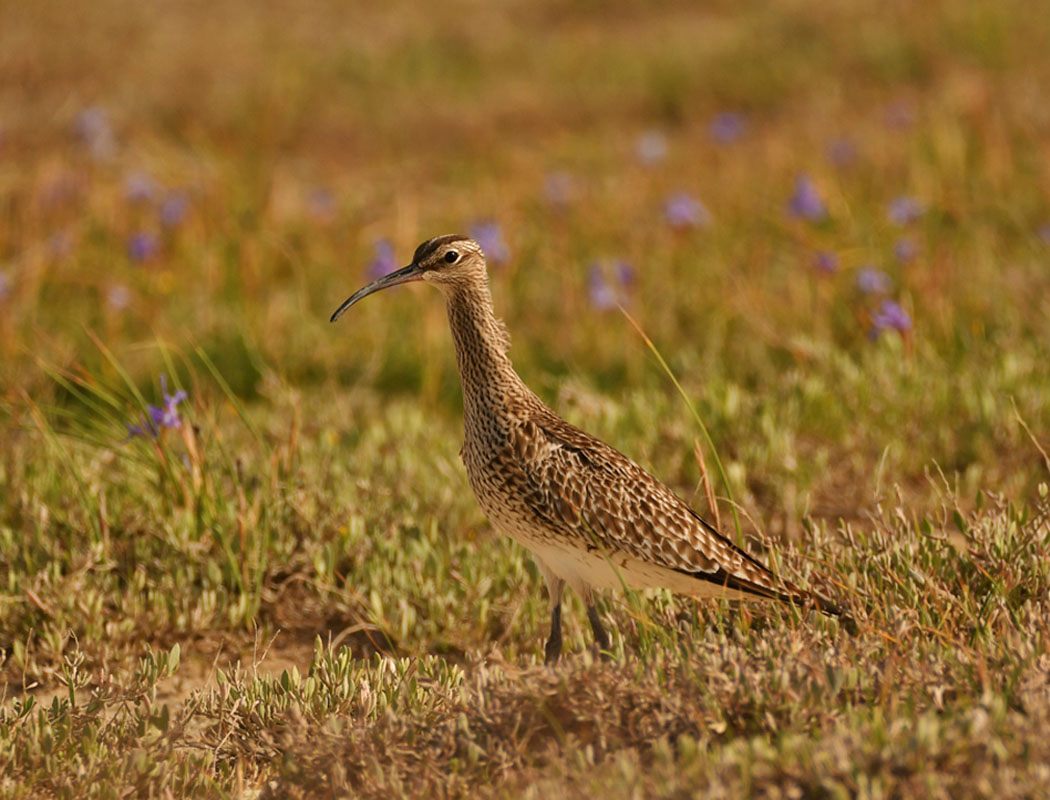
x: 592, y: 518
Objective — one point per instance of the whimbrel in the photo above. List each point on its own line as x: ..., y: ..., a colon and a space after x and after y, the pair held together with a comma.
x: 592, y: 518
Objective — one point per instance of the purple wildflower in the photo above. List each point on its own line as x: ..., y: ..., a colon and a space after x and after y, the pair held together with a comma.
x: 825, y: 262
x: 93, y: 128
x: 806, y: 202
x: 60, y: 191
x: 1044, y: 233
x: 606, y: 294
x: 320, y: 203
x: 841, y: 152
x: 173, y: 208
x: 651, y: 148
x: 900, y: 115
x: 139, y: 187
x: 625, y: 272
x: 385, y: 260
x: 682, y: 210
x: 5, y: 285
x: 728, y: 127
x: 118, y: 297
x: 143, y: 246
x: 158, y: 418
x: 60, y: 244
x: 890, y: 316
x: 136, y: 429
x: 603, y: 295
x: 905, y: 250
x: 904, y: 210
x: 91, y: 122
x: 167, y: 415
x: 489, y: 235
x: 558, y: 188
x: 873, y: 281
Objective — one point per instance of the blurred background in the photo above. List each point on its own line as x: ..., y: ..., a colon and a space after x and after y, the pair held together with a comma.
x: 831, y: 219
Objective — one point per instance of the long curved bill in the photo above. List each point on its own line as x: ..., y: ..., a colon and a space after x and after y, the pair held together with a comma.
x: 403, y: 275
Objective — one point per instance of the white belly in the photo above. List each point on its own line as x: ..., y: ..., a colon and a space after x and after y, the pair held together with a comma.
x: 584, y: 570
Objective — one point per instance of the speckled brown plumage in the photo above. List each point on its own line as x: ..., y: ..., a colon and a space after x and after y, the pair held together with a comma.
x: 592, y: 517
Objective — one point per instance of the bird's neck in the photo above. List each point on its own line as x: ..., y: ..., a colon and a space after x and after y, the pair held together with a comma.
x: 482, y: 342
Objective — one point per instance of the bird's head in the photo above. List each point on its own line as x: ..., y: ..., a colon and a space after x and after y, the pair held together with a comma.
x: 449, y: 262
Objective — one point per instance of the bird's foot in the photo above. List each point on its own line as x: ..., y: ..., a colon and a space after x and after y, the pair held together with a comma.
x: 552, y: 652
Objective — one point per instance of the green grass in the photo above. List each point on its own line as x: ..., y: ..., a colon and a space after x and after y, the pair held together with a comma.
x: 295, y: 594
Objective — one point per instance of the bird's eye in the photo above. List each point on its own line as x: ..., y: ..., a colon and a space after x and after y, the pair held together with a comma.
x: 451, y: 257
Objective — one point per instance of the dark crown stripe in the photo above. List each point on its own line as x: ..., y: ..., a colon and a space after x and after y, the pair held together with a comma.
x: 428, y: 247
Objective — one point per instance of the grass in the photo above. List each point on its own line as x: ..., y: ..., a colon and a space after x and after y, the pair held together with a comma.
x: 294, y: 593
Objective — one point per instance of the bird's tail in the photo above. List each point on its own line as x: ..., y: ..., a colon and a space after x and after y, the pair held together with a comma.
x: 787, y: 593
x: 800, y: 597
x: 764, y: 584
x: 830, y: 609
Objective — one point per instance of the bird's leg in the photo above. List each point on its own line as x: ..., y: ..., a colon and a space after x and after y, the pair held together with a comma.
x: 555, y: 587
x: 601, y: 638
x: 553, y: 649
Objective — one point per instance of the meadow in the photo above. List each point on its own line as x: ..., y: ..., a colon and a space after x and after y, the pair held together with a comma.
x: 792, y: 258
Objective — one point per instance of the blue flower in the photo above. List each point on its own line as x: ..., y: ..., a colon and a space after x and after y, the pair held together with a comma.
x: 143, y: 246
x: 806, y: 202
x: 139, y: 187
x: 900, y: 115
x: 625, y: 272
x: 841, y: 152
x: 606, y: 294
x: 93, y: 128
x: 118, y: 297
x: 384, y: 262
x: 905, y: 250
x: 651, y: 148
x: 159, y: 418
x: 603, y: 295
x: 890, y: 316
x: 727, y: 127
x: 488, y: 234
x: 558, y: 188
x: 60, y: 190
x: 904, y: 210
x: 60, y: 244
x: 173, y: 208
x: 873, y: 281
x: 92, y: 121
x: 682, y: 210
x: 825, y: 262
x: 320, y: 203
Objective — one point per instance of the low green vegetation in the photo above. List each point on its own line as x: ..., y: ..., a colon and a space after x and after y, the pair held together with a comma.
x: 238, y: 553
